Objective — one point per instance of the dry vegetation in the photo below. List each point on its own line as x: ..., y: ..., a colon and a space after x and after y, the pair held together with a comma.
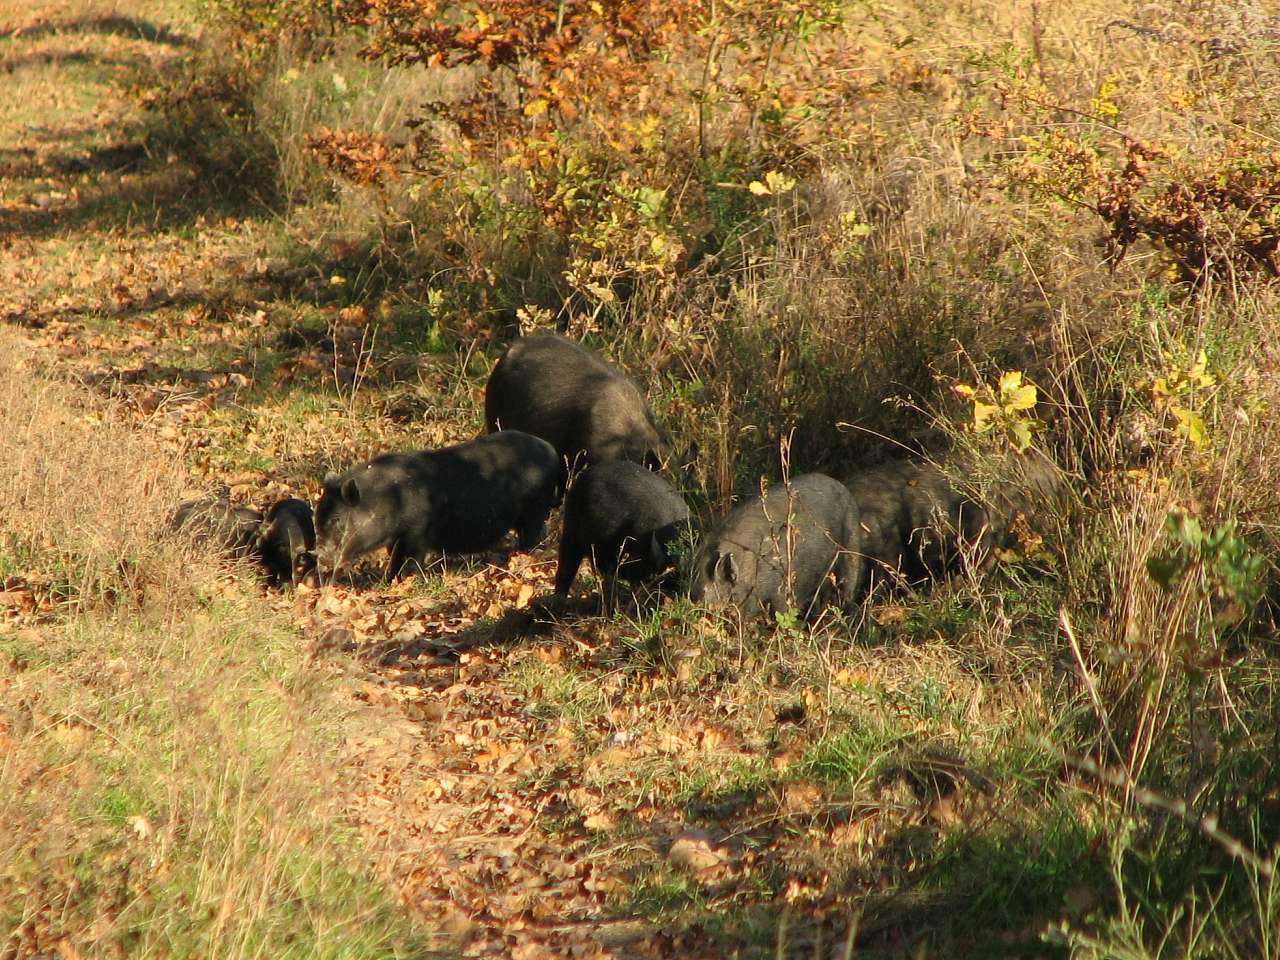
x: 245, y: 248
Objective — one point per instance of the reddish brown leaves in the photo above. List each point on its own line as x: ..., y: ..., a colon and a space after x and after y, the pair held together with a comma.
x: 365, y: 158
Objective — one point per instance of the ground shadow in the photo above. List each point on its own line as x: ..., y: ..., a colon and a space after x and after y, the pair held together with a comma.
x: 130, y: 27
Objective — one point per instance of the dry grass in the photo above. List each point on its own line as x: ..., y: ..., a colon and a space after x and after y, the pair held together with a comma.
x: 168, y: 774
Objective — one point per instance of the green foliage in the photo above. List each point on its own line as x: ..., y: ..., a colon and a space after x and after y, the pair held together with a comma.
x: 661, y: 892
x: 1220, y: 563
x: 847, y: 759
x: 1010, y: 874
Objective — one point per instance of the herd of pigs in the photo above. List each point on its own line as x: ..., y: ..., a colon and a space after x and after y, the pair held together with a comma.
x: 565, y: 425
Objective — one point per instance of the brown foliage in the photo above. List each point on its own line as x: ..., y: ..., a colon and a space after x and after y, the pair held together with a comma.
x: 364, y: 158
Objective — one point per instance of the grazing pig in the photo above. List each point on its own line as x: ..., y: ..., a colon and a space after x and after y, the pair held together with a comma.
x: 216, y: 520
x: 287, y: 541
x: 459, y: 499
x: 913, y: 524
x: 625, y: 518
x: 281, y: 543
x: 784, y: 550
x: 916, y: 526
x: 559, y: 390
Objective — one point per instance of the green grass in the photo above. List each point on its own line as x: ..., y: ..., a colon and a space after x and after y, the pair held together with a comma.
x: 660, y: 894
x: 849, y: 759
x: 559, y: 691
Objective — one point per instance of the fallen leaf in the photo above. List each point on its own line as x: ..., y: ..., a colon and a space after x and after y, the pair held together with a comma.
x: 695, y: 853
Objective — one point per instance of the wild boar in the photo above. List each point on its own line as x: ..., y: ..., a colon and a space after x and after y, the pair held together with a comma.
x: 454, y: 500
x: 281, y: 543
x: 554, y: 388
x: 913, y: 524
x: 625, y: 518
x: 795, y: 547
x: 287, y: 541
x: 917, y: 525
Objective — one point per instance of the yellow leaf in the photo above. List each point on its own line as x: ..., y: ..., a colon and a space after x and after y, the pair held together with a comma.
x: 483, y: 20
x: 536, y: 107
x: 1191, y: 425
x: 1199, y: 371
x: 337, y: 280
x: 778, y: 183
x: 1020, y: 430
x: 982, y: 414
x: 758, y: 188
x: 1024, y: 398
x: 1009, y: 381
x: 963, y: 389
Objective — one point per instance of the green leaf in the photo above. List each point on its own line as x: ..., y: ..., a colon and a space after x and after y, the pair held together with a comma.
x: 648, y: 201
x: 1184, y: 528
x: 1020, y: 431
x: 1165, y: 570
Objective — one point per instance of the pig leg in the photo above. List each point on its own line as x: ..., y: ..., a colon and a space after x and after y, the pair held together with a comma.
x: 406, y: 553
x: 571, y: 556
x: 530, y: 530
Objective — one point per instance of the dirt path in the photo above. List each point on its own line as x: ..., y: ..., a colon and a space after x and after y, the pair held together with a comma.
x: 591, y: 789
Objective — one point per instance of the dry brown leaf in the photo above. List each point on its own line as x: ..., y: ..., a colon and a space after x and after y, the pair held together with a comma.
x: 695, y: 853
x: 801, y: 797
x: 889, y: 614
x: 141, y: 826
x: 610, y: 758
x: 671, y: 743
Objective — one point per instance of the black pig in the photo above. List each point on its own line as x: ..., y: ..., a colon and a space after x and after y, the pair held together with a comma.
x: 216, y: 520
x: 287, y: 541
x: 459, y: 499
x: 795, y: 547
x: 917, y: 526
x: 913, y: 524
x: 587, y: 409
x: 622, y: 516
x: 280, y: 543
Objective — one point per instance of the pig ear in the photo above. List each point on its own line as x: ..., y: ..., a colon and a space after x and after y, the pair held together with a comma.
x: 350, y: 492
